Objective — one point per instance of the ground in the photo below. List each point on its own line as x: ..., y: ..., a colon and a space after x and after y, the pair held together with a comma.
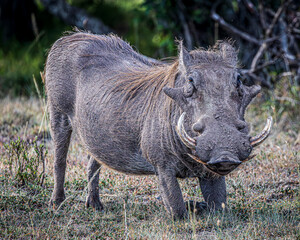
x: 263, y: 194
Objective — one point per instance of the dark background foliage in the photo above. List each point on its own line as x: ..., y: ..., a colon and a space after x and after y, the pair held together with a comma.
x: 266, y: 33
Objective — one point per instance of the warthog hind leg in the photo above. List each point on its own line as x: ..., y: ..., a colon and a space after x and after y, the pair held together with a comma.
x: 61, y: 131
x: 93, y: 199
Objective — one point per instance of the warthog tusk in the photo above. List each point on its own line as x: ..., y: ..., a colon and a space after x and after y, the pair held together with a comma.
x: 196, y: 159
x: 255, y: 141
x: 184, y: 137
x: 249, y: 158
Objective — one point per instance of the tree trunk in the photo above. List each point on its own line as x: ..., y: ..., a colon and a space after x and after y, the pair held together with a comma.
x: 75, y: 16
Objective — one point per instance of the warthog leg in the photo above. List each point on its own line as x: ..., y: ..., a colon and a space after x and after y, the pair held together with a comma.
x: 171, y: 194
x: 61, y: 131
x: 93, y: 199
x: 214, y: 191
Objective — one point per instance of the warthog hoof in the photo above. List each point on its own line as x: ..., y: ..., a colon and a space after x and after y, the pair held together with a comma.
x: 94, y: 202
x: 56, y: 202
x: 196, y: 207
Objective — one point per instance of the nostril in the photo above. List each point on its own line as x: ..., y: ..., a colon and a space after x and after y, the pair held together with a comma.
x: 198, y: 127
x: 241, y: 125
x: 224, y: 163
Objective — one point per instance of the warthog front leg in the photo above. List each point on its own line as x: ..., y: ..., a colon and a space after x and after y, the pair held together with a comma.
x: 171, y: 194
x: 214, y: 191
x: 61, y: 133
x: 93, y: 199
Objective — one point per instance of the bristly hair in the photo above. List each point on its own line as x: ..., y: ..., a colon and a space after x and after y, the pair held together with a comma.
x: 223, y: 52
x: 146, y: 83
x: 142, y: 92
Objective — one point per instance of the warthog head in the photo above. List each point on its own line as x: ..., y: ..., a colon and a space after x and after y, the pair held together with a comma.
x: 213, y: 100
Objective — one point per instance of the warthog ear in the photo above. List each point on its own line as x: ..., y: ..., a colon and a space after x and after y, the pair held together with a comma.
x: 176, y: 94
x: 184, y: 58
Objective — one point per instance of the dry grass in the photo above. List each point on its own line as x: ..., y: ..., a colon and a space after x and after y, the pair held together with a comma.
x: 263, y: 195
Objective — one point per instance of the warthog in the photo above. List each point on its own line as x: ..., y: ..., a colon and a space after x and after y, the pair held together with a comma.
x: 141, y: 116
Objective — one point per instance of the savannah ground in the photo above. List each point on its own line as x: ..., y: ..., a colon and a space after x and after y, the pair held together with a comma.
x: 263, y: 194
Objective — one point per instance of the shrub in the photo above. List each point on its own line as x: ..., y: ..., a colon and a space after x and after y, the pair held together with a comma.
x: 26, y: 161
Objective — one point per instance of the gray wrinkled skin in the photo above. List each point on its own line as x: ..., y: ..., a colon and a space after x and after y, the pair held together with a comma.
x: 124, y: 108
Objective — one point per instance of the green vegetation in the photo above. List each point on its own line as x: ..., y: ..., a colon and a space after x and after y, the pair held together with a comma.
x: 20, y: 61
x: 263, y: 195
x: 25, y: 161
x: 151, y: 28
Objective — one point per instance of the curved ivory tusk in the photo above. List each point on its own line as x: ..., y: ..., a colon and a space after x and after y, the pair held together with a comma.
x: 249, y: 158
x: 196, y: 159
x: 255, y: 141
x: 185, y: 138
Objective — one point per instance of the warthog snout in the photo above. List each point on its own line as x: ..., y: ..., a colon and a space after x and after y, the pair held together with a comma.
x: 238, y: 143
x: 223, y: 164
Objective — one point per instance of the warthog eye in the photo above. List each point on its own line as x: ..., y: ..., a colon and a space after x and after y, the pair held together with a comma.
x: 238, y: 81
x: 189, y: 90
